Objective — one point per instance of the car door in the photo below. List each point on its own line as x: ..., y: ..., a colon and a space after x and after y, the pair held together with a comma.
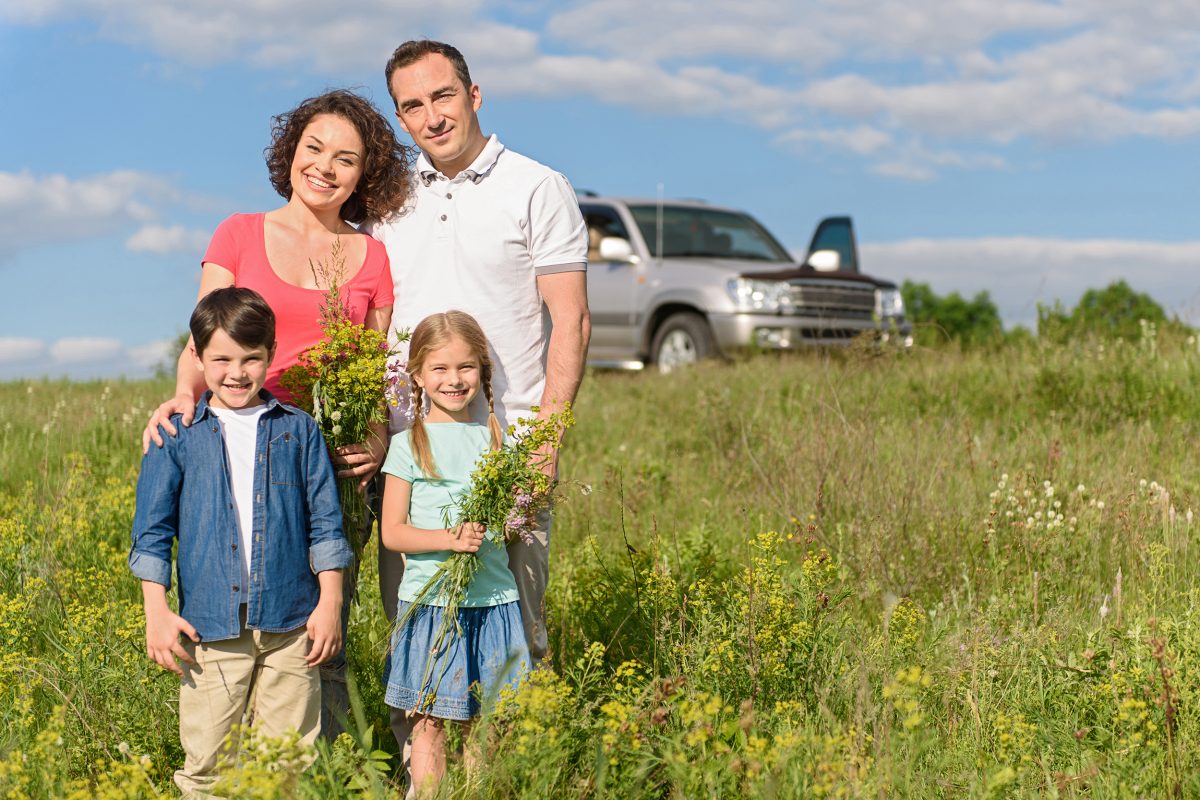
x: 611, y: 289
x: 837, y: 234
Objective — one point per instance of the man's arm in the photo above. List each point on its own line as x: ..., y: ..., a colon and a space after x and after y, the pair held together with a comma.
x: 565, y: 295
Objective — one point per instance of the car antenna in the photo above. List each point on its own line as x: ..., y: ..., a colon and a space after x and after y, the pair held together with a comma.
x: 658, y: 228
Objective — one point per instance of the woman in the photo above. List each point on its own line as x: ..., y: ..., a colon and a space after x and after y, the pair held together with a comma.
x: 336, y: 161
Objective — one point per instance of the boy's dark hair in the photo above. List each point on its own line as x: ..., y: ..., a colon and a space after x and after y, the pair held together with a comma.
x: 240, y: 312
x: 414, y: 50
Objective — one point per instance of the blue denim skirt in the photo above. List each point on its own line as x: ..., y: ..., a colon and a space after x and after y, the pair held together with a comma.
x: 467, y: 672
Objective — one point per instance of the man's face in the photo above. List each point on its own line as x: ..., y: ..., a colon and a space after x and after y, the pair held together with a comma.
x: 438, y: 112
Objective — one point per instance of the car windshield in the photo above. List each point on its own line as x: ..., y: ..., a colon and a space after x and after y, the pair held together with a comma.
x: 697, y: 232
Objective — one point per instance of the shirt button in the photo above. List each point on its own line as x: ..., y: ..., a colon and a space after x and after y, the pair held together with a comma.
x: 448, y: 195
x: 236, y: 589
x: 235, y: 545
x: 443, y: 220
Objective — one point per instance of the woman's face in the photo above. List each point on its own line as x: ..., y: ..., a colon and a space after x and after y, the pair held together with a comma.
x: 327, y: 164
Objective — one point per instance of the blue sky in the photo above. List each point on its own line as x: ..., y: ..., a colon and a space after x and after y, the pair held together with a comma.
x: 1031, y: 149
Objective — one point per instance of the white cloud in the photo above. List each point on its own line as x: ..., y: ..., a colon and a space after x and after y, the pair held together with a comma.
x: 1020, y: 272
x: 54, y: 208
x: 162, y: 240
x: 18, y: 349
x: 907, y: 85
x: 152, y: 354
x: 80, y: 357
x: 313, y: 33
x: 85, y: 349
x: 861, y: 139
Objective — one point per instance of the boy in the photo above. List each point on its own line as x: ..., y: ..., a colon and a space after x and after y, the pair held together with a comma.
x: 249, y: 493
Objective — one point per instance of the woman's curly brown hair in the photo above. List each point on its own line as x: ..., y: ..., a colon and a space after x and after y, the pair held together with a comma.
x: 387, y: 164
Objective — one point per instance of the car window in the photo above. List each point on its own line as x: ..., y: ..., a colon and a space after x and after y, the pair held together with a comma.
x: 601, y: 221
x: 836, y: 233
x: 698, y: 232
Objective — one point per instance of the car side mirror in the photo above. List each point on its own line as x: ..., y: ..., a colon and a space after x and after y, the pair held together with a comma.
x: 614, y: 248
x: 825, y: 261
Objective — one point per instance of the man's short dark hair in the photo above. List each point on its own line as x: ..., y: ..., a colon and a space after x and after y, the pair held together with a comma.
x: 242, y: 313
x: 414, y: 50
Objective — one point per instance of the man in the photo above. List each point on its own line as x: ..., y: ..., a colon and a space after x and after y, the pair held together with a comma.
x: 498, y: 235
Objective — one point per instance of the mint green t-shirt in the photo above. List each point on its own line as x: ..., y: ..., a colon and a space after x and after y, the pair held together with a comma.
x: 456, y: 448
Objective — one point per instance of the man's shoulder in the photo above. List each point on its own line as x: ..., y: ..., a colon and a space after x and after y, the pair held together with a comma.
x: 512, y: 164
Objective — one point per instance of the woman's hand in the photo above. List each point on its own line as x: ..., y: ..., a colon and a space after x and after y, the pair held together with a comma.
x: 359, y: 460
x: 183, y: 404
x: 467, y: 537
x: 362, y: 460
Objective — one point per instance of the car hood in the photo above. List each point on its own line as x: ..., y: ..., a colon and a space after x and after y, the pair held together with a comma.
x: 800, y: 271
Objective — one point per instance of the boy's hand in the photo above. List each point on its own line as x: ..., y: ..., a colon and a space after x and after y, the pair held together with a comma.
x: 163, y: 629
x: 324, y: 630
x: 467, y: 537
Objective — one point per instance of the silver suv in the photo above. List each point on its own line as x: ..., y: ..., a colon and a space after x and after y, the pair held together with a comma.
x: 673, y: 282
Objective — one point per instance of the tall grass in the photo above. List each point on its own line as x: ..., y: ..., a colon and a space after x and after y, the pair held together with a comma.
x: 852, y: 574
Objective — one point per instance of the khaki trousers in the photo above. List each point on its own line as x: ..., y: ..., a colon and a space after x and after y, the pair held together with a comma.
x: 260, y: 676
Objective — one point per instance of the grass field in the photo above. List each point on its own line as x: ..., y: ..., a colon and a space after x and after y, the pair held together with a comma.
x: 853, y: 574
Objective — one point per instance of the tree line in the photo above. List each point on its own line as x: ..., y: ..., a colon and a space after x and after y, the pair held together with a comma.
x: 1116, y: 311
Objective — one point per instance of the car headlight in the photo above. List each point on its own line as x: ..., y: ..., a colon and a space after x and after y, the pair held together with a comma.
x: 767, y: 296
x: 888, y: 303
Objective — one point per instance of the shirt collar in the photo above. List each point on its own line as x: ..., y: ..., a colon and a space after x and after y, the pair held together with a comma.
x: 481, y: 166
x: 203, y: 408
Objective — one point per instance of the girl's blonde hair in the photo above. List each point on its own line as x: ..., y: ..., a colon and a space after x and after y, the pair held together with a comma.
x: 433, y: 333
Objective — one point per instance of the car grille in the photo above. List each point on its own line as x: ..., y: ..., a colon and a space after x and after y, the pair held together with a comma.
x: 832, y: 299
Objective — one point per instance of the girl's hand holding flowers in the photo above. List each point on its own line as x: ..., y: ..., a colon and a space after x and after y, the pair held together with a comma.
x: 467, y: 537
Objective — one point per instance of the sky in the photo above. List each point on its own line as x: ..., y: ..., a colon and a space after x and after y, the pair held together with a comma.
x: 1027, y: 148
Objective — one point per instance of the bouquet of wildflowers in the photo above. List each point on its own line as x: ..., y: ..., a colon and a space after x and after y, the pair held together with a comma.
x: 508, y: 488
x: 341, y: 381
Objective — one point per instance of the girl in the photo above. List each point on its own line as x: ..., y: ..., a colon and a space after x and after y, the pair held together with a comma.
x: 427, y: 468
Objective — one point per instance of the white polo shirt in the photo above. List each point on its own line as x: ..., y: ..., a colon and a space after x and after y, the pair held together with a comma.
x: 477, y: 243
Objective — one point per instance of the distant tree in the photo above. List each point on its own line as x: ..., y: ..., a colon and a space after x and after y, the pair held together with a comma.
x: 951, y: 318
x: 1115, y: 312
x: 166, y: 368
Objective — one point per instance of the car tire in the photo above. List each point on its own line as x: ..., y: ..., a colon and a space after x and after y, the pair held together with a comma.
x: 682, y: 340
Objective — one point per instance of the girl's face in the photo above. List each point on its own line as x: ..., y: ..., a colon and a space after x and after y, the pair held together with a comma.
x: 327, y: 163
x: 451, y: 378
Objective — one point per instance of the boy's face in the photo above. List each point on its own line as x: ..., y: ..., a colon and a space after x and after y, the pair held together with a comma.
x: 234, y: 373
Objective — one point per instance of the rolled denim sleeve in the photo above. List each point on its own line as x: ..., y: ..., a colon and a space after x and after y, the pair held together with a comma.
x: 327, y: 545
x: 156, y: 518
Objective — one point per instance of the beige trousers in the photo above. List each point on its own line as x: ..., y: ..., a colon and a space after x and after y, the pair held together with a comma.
x: 261, y: 676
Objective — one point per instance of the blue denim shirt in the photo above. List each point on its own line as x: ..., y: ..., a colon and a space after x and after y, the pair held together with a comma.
x: 184, y: 494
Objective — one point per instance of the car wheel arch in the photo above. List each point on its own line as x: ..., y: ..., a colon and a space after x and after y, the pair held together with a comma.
x: 660, y: 315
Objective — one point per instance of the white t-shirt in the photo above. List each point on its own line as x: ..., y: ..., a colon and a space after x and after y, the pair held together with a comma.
x: 239, y: 429
x: 477, y: 243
